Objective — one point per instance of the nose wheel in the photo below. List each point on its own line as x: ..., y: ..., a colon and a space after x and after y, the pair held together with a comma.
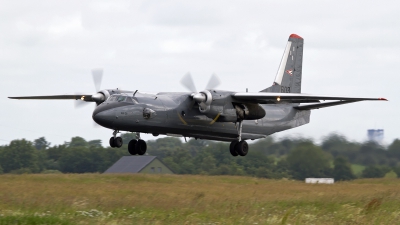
x: 115, y: 142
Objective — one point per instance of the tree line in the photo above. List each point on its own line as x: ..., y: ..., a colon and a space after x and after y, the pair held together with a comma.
x: 267, y: 158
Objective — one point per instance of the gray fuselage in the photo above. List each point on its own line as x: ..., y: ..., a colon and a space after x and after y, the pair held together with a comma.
x: 176, y: 114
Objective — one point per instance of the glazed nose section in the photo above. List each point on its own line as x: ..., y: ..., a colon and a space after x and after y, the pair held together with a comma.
x: 103, y: 117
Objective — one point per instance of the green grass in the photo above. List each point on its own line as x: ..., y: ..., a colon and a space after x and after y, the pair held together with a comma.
x: 188, y: 199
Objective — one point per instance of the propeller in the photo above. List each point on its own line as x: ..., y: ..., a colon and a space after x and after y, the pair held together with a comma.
x: 97, y: 75
x: 187, y: 82
x: 214, y: 82
x: 203, y: 98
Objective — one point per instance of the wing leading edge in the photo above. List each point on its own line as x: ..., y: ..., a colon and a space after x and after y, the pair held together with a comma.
x: 275, y: 98
x: 55, y: 97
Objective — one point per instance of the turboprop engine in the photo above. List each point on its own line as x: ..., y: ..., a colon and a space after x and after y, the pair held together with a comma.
x: 219, y: 105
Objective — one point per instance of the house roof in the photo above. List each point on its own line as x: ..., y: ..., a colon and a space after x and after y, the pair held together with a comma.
x: 130, y: 164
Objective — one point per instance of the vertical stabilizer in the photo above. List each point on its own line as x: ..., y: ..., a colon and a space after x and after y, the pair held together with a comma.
x: 288, y: 77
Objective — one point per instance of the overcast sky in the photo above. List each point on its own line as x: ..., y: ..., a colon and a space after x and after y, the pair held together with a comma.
x: 50, y: 47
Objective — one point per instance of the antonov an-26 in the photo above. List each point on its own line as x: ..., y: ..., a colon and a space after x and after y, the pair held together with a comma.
x: 210, y: 114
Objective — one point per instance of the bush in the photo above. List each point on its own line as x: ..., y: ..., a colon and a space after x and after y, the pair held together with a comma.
x: 373, y: 172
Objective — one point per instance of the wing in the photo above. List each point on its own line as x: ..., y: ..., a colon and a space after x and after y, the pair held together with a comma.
x: 83, y: 97
x: 274, y: 98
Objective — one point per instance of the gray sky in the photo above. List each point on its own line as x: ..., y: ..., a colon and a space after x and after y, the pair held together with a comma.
x: 49, y: 47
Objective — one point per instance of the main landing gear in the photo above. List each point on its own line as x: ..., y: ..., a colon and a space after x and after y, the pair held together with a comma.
x: 239, y: 147
x: 135, y: 146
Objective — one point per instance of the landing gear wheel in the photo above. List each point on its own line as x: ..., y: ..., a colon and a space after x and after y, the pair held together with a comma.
x: 132, y: 147
x: 118, y: 142
x: 112, y: 144
x: 141, y: 147
x: 242, y: 148
x: 232, y: 148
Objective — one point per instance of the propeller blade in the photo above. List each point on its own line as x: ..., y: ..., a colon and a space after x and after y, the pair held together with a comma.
x: 80, y: 103
x: 187, y: 82
x: 213, y: 82
x: 97, y: 77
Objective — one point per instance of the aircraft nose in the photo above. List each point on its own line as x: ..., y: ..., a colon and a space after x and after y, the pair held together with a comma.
x: 103, y: 117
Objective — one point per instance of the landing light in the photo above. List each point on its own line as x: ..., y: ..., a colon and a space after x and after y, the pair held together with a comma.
x: 278, y: 99
x: 83, y: 98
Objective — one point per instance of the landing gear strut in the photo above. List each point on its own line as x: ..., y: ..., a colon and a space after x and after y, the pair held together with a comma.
x: 137, y: 146
x: 239, y: 147
x: 115, y: 142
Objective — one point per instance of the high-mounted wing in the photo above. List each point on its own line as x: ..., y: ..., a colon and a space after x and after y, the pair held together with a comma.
x: 50, y: 97
x: 274, y: 98
x: 84, y: 97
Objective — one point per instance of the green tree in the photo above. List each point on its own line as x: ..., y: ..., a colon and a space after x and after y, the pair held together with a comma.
x: 308, y: 160
x: 373, y: 172
x: 77, y: 160
x: 394, y: 149
x: 77, y: 142
x: 342, y: 169
x: 397, y: 171
x: 41, y: 143
x: 94, y: 144
x: 20, y: 154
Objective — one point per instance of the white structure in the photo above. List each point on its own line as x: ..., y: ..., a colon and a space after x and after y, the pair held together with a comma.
x: 320, y: 180
x: 375, y: 135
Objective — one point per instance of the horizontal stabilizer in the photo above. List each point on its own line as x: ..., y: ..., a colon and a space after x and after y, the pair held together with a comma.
x: 273, y: 98
x: 322, y: 105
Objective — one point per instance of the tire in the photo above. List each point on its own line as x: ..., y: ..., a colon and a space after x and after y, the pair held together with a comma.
x: 232, y: 148
x: 118, y: 142
x: 242, y: 148
x: 132, y: 147
x: 112, y: 144
x: 141, y: 147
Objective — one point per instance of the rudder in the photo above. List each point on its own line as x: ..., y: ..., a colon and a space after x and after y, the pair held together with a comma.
x: 288, y: 77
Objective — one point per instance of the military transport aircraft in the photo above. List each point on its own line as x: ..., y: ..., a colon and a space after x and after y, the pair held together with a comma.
x: 210, y: 114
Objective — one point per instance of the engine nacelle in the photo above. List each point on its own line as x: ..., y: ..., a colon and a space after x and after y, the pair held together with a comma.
x: 249, y: 111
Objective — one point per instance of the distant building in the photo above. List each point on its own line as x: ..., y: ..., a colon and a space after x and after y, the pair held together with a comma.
x: 139, y: 164
x: 375, y: 135
x: 320, y: 180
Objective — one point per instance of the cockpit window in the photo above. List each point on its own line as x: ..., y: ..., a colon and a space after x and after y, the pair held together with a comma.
x: 121, y: 98
x: 128, y: 99
x: 112, y: 98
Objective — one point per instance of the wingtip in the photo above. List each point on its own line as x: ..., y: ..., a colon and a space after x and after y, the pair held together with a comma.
x: 383, y: 99
x: 295, y: 36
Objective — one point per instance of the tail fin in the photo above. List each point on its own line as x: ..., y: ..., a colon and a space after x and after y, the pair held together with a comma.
x: 288, y: 78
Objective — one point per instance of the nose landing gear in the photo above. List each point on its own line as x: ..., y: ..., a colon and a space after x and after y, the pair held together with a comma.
x: 115, y: 142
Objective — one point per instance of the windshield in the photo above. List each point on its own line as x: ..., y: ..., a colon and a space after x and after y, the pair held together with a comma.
x: 121, y: 98
x: 112, y: 98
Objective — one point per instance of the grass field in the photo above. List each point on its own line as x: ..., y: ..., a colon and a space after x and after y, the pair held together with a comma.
x: 173, y: 199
